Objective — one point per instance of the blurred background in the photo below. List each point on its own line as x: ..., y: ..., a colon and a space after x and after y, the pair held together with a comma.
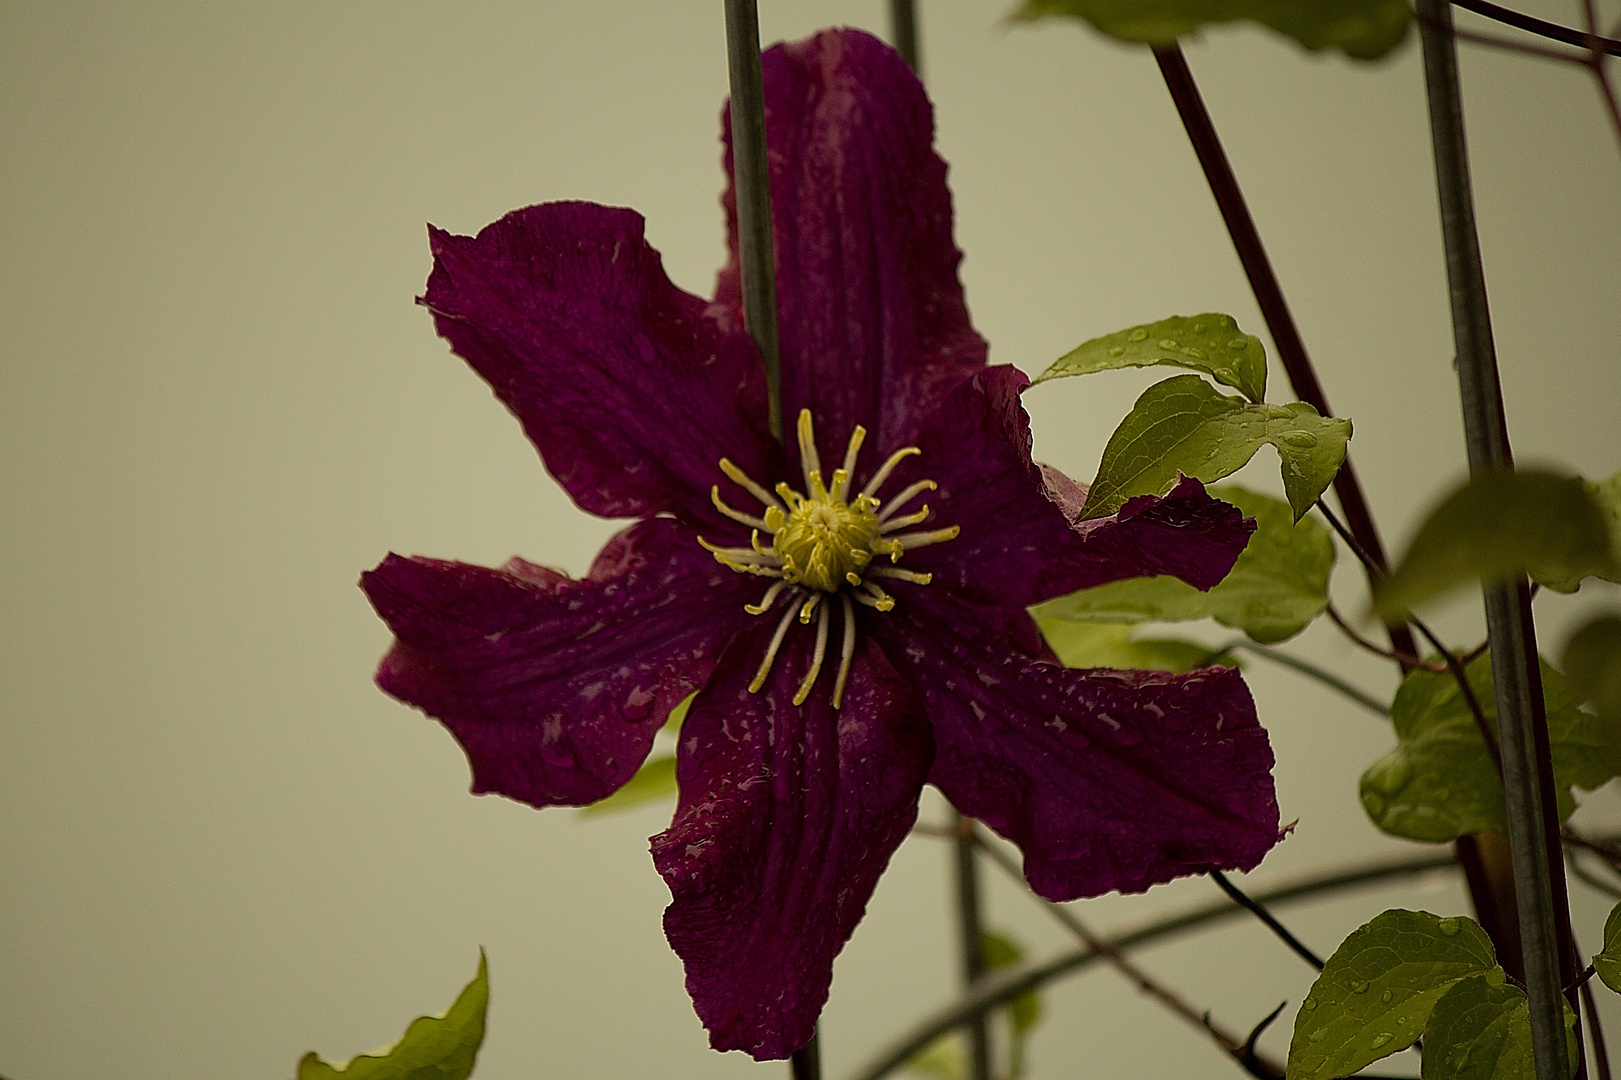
x: 221, y: 846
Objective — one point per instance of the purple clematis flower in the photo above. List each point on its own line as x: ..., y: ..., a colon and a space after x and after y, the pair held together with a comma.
x: 848, y: 641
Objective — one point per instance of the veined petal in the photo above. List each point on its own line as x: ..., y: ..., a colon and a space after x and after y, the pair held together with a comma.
x: 555, y: 687
x: 1105, y: 779
x: 631, y: 389
x: 1021, y: 540
x: 787, y: 817
x: 872, y: 322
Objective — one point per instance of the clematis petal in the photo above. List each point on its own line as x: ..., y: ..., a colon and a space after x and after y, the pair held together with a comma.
x: 555, y: 687
x: 787, y: 817
x: 631, y: 389
x: 1105, y: 779
x: 872, y: 323
x: 1021, y: 540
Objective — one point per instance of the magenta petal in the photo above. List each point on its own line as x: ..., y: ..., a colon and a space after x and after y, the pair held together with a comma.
x: 1021, y: 542
x: 1105, y: 779
x: 631, y: 389
x: 872, y: 322
x: 554, y: 687
x: 787, y: 817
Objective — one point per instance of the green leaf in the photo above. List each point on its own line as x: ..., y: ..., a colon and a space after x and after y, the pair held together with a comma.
x: 1440, y: 782
x: 947, y: 1056
x: 1377, y: 990
x: 1499, y: 525
x: 1607, y: 964
x: 1110, y: 645
x: 1364, y: 29
x: 1211, y: 343
x: 433, y: 1048
x: 1277, y: 587
x: 1593, y: 661
x: 655, y: 780
x: 1481, y: 1030
x: 1185, y: 425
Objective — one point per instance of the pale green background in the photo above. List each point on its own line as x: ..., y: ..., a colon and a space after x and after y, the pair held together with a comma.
x: 220, y: 846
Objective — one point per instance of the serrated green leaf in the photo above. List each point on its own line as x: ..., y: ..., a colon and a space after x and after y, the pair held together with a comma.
x: 433, y: 1048
x: 1377, y: 990
x: 1185, y: 425
x: 1440, y: 782
x: 1605, y: 495
x: 1607, y: 964
x: 1481, y: 1030
x: 1498, y: 525
x: 1277, y: 587
x: 1211, y: 343
x: 1110, y: 645
x: 1364, y: 29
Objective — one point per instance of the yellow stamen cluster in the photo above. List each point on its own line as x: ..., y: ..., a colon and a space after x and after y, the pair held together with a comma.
x: 822, y: 545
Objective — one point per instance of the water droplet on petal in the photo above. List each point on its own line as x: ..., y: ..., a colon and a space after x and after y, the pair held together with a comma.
x: 1449, y: 927
x: 1380, y: 1039
x: 1138, y: 334
x: 1305, y: 440
x: 1167, y: 343
x: 1117, y: 351
x: 1359, y: 986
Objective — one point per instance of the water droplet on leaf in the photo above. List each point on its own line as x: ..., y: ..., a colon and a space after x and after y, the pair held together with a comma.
x: 1359, y: 986
x: 1449, y: 927
x: 1380, y: 1039
x: 1138, y: 334
x: 1197, y: 354
x: 1225, y: 373
x: 1303, y: 440
x: 1198, y: 328
x: 1117, y: 351
x: 1386, y: 996
x: 1373, y: 803
x: 1237, y: 343
x: 1167, y: 343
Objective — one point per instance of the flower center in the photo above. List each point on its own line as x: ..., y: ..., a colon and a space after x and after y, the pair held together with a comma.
x: 823, y: 544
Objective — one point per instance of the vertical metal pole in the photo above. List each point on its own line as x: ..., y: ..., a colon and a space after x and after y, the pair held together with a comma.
x: 751, y: 181
x: 1521, y: 719
x: 903, y: 32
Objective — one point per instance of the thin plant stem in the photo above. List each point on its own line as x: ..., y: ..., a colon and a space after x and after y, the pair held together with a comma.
x: 1405, y: 659
x: 1235, y: 1048
x: 1271, y: 923
x: 1312, y: 671
x: 1264, y: 283
x: 806, y: 1063
x: 1000, y: 987
x: 1533, y: 826
x: 971, y: 932
x: 751, y: 179
x: 1461, y: 677
x: 903, y: 32
x: 1532, y: 25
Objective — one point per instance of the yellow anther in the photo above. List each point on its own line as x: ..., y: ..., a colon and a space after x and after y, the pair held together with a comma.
x: 744, y: 481
x: 905, y: 521
x: 767, y: 600
x: 808, y: 608
x: 888, y: 467
x: 809, y: 462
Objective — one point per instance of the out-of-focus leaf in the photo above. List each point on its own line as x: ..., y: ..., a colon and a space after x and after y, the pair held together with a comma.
x: 1500, y: 524
x: 1607, y: 964
x: 1211, y: 343
x: 1277, y: 587
x: 1185, y: 425
x: 1376, y: 992
x: 655, y: 780
x: 1592, y: 660
x: 1481, y: 1030
x: 1364, y: 29
x: 433, y: 1048
x: 1110, y: 645
x: 1440, y: 783
x: 946, y: 1058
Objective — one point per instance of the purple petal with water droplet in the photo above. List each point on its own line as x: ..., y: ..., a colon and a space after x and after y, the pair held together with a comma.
x: 555, y: 687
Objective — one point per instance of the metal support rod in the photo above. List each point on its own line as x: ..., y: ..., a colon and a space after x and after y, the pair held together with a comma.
x: 971, y: 933
x: 1516, y: 674
x: 751, y: 180
x: 903, y: 32
x: 806, y: 1064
